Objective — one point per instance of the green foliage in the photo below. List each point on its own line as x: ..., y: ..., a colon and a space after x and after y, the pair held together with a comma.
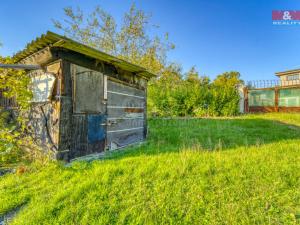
x: 175, y: 178
x: 225, y: 97
x: 128, y: 41
x: 192, y: 95
x: 14, y: 84
x: 162, y: 99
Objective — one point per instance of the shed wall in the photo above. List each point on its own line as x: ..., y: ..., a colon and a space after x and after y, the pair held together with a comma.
x: 107, y: 113
x: 44, y: 117
x: 125, y: 111
x: 88, y: 92
x: 69, y: 130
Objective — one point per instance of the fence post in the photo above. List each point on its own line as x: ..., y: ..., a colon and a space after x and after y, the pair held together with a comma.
x: 276, y: 99
x: 246, y: 108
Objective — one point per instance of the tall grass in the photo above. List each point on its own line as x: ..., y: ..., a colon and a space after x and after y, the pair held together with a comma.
x: 202, y: 171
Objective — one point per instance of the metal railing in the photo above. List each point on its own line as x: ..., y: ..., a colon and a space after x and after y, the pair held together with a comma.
x: 271, y: 83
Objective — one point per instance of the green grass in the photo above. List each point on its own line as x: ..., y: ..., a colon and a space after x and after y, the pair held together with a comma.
x: 242, y: 170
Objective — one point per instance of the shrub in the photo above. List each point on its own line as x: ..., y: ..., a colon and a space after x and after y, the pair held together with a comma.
x: 175, y: 95
x: 15, y: 144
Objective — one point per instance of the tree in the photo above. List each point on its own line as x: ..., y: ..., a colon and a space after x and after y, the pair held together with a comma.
x: 130, y: 41
x: 163, y: 92
x: 198, y: 97
x: 225, y: 94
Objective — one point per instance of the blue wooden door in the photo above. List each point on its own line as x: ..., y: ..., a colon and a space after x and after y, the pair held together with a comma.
x: 96, y: 132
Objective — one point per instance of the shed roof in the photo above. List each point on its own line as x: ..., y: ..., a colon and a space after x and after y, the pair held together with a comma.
x: 55, y: 40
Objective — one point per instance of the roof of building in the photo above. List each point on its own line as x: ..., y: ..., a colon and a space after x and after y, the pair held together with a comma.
x: 287, y: 72
x: 55, y: 40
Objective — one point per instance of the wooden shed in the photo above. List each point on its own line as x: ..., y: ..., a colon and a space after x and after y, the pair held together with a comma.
x: 85, y: 101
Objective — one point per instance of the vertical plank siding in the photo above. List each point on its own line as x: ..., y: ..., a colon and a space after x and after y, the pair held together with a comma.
x: 79, y: 145
x: 145, y: 131
x: 66, y: 108
x: 88, y: 114
x: 96, y: 132
x: 65, y: 134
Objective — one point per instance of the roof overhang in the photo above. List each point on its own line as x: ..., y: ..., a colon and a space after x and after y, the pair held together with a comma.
x: 288, y: 72
x: 51, y: 39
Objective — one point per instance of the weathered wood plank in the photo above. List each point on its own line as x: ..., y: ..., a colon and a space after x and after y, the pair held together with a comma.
x: 145, y: 115
x: 121, y: 124
x: 79, y: 145
x: 88, y: 91
x: 124, y: 101
x: 85, y: 61
x: 121, y: 139
x: 124, y: 89
x: 96, y: 132
x: 66, y: 109
x: 107, y: 69
x: 55, y: 67
x: 121, y: 113
x: 66, y: 79
x: 65, y: 123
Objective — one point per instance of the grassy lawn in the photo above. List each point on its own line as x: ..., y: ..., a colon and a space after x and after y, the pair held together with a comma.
x: 242, y: 170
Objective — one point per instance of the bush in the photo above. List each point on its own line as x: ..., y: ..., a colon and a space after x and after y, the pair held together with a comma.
x: 174, y: 95
x: 15, y: 144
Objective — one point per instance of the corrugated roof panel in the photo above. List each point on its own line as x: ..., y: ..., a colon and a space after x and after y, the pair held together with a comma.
x: 53, y: 39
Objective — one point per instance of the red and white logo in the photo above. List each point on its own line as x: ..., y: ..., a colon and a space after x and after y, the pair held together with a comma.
x: 286, y: 15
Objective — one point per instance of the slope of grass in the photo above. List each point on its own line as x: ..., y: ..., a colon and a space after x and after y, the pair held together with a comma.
x: 242, y: 170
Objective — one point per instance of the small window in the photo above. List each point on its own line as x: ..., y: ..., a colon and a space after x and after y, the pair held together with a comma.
x: 293, y: 77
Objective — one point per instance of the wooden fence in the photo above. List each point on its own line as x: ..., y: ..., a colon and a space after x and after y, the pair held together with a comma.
x: 7, y: 102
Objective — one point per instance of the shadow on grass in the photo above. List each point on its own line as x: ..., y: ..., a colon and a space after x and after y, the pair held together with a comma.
x: 174, y: 135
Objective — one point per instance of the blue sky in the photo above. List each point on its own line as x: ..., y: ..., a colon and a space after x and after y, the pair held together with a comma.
x: 214, y: 35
